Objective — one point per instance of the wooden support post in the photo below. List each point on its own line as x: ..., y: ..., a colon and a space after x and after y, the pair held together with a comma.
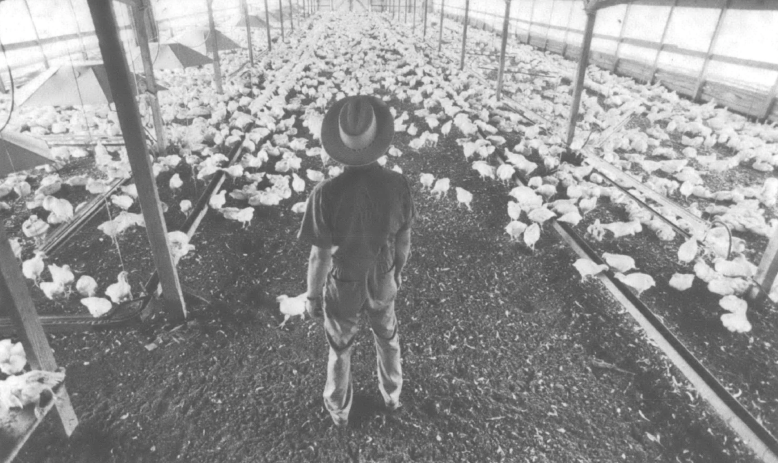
x: 138, y: 9
x: 426, y: 7
x: 770, y: 101
x: 440, y: 36
x: 129, y: 119
x: 37, y: 37
x: 267, y: 27
x: 621, y: 38
x: 767, y: 271
x: 245, y: 6
x: 217, y: 68
x: 548, y: 28
x: 281, y: 16
x: 291, y: 17
x: 15, y: 297
x: 655, y: 67
x: 2, y: 86
x: 701, y: 77
x: 464, y: 35
x: 78, y: 31
x: 531, y: 20
x: 567, y: 28
x: 503, y: 46
x: 580, y: 75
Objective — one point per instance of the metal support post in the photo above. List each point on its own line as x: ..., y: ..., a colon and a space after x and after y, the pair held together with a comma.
x: 440, y: 37
x: 716, y: 32
x: 217, y: 68
x: 464, y: 35
x: 37, y: 37
x: 129, y: 119
x: 138, y: 9
x: 655, y: 67
x: 591, y: 18
x: 505, y: 23
x: 267, y: 27
x: 248, y: 31
x: 281, y: 16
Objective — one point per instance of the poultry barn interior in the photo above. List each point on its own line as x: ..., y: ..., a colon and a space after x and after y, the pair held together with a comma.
x: 594, y: 252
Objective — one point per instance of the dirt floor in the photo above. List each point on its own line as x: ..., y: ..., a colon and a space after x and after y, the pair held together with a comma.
x: 499, y: 342
x: 498, y: 346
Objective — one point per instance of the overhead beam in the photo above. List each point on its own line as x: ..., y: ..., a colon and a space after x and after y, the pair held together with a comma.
x: 129, y: 119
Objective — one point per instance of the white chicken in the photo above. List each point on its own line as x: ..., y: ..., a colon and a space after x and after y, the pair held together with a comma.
x: 32, y: 268
x: 185, y: 206
x: 97, y: 306
x: 119, y: 291
x: 175, y: 182
x: 179, y: 244
x: 299, y: 208
x: 243, y: 216
x: 619, y: 262
x: 681, y: 281
x: 12, y: 357
x: 19, y: 391
x: 514, y: 229
x: 464, y: 197
x: 441, y: 187
x: 291, y: 306
x: 123, y: 201
x: 314, y: 175
x: 532, y: 235
x: 217, y: 201
x: 86, y: 286
x: 427, y: 180
x: 637, y: 281
x: 298, y: 184
x: 588, y: 268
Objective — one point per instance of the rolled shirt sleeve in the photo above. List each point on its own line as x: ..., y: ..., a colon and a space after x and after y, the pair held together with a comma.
x: 315, y: 229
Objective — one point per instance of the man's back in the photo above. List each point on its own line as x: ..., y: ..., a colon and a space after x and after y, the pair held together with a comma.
x: 360, y: 211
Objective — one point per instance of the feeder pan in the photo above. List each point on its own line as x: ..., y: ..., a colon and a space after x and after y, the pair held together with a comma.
x: 20, y: 152
x: 254, y: 21
x: 84, y: 82
x: 200, y: 40
x: 172, y: 55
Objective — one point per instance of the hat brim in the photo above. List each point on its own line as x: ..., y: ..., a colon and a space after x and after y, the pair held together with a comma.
x: 336, y: 149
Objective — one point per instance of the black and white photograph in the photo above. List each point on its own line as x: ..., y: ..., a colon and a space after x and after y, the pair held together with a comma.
x: 388, y: 231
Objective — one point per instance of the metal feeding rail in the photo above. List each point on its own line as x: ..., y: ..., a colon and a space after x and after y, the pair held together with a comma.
x: 732, y: 412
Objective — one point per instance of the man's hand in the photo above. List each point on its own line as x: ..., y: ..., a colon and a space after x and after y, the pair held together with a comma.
x: 313, y: 307
x: 398, y: 279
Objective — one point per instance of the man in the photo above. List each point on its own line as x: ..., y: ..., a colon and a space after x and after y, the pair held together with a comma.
x: 359, y: 228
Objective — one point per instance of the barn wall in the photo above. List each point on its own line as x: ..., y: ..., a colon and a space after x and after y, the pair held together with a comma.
x: 742, y: 69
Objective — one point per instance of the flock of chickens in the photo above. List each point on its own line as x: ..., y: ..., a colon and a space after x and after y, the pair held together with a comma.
x: 276, y: 112
x: 685, y: 147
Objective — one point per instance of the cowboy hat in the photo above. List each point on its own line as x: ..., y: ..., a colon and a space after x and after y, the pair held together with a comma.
x: 357, y: 130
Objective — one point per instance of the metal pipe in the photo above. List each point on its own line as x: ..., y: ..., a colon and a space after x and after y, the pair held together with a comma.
x: 583, y: 61
x: 248, y: 31
x: 267, y: 28
x: 464, y: 35
x: 440, y: 37
x: 503, y: 46
x: 217, y: 68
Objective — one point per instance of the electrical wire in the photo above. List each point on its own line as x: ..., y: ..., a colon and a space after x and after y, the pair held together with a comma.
x: 13, y: 90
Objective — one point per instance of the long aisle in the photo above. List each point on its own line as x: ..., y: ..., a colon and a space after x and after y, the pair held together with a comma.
x: 508, y: 354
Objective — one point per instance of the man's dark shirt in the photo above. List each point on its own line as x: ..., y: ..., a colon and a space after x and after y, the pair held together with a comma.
x: 360, y: 211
